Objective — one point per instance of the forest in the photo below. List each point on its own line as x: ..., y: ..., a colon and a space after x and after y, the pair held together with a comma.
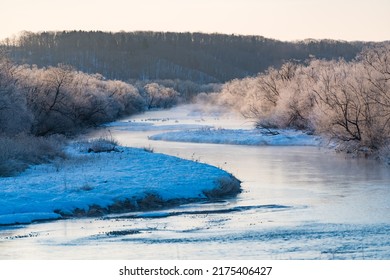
x: 198, y: 57
x: 55, y: 84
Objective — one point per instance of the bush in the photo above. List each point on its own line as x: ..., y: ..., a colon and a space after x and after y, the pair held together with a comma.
x: 149, y: 149
x: 102, y: 144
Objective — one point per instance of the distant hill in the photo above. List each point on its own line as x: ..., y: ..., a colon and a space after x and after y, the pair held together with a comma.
x: 201, y: 58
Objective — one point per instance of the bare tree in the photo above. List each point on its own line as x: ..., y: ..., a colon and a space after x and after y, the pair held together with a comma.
x: 14, y: 114
x: 48, y: 96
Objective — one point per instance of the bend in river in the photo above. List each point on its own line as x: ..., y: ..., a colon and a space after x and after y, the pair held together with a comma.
x: 299, y: 202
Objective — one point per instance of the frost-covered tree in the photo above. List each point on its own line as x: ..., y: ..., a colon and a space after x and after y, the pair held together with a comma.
x: 340, y: 103
x: 160, y: 96
x: 257, y: 97
x: 63, y: 100
x: 15, y: 117
x: 347, y: 101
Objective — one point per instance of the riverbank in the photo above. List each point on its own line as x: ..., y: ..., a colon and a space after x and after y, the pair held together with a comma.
x: 93, y: 184
x: 296, y: 203
x: 251, y: 137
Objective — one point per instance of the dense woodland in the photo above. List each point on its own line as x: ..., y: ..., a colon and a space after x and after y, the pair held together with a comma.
x: 59, y: 83
x: 197, y: 57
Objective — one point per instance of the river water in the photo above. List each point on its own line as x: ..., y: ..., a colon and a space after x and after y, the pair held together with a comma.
x: 297, y: 203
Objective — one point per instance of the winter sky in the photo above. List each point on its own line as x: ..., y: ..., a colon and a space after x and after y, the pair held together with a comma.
x: 350, y: 20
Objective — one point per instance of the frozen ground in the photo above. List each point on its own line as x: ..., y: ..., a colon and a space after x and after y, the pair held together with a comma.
x: 240, y: 137
x: 88, y: 183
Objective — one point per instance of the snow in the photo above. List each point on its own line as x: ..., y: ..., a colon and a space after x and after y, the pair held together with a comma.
x: 210, y: 124
x: 86, y: 179
x: 146, y: 126
x: 183, y: 117
x: 286, y: 137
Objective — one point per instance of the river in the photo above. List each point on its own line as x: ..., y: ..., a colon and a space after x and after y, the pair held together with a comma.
x: 297, y: 203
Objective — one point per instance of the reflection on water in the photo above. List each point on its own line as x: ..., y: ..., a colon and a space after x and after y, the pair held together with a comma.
x: 297, y: 203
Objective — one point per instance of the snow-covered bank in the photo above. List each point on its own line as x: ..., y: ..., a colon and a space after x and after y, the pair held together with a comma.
x: 94, y: 184
x: 146, y: 126
x: 241, y: 137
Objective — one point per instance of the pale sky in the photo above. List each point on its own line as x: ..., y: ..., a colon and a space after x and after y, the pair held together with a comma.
x: 367, y: 20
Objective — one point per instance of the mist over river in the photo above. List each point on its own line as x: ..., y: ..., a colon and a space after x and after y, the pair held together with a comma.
x: 298, y: 202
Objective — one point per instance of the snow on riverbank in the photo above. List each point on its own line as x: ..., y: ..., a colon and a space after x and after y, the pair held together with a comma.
x: 198, y: 124
x: 94, y: 184
x: 146, y: 126
x: 241, y: 137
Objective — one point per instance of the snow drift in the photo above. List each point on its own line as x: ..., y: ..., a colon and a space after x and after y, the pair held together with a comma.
x: 91, y: 184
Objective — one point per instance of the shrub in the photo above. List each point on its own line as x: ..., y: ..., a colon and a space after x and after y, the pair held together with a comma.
x: 149, y: 149
x: 102, y: 144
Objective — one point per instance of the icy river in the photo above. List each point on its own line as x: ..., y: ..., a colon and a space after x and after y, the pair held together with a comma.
x: 298, y: 202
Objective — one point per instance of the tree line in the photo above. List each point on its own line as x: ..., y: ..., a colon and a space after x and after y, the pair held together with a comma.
x: 44, y: 101
x: 61, y: 99
x: 38, y: 104
x: 49, y: 85
x: 347, y: 101
x: 197, y: 57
